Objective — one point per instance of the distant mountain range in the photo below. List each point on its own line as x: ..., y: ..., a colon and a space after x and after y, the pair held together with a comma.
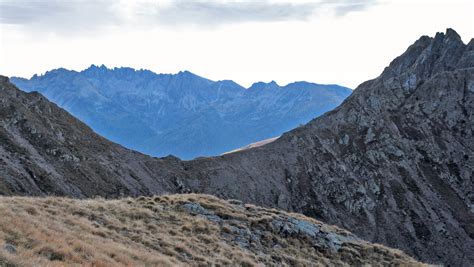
x: 181, y: 114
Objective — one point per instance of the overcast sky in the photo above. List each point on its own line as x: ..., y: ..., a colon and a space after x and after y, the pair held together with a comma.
x: 340, y: 41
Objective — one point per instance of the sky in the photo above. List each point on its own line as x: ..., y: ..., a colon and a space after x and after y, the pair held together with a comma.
x: 331, y: 42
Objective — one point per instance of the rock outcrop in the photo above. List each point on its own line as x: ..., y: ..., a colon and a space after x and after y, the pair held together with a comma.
x: 393, y: 164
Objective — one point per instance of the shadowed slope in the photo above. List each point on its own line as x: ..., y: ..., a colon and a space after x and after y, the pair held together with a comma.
x: 44, y: 150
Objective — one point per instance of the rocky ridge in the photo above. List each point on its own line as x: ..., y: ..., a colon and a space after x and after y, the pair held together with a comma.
x: 394, y: 163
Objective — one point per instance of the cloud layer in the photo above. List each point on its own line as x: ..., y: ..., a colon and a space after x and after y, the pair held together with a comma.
x: 211, y: 13
x: 59, y: 16
x: 87, y: 15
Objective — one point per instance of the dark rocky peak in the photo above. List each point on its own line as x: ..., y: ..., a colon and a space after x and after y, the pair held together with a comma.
x: 470, y: 46
x: 467, y: 60
x: 425, y: 58
x: 3, y: 79
x: 448, y: 50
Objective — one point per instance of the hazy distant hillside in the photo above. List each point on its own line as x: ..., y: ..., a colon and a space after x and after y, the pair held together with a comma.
x: 182, y: 114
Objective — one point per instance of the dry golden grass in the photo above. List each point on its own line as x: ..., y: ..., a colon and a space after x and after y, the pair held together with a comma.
x: 158, y: 231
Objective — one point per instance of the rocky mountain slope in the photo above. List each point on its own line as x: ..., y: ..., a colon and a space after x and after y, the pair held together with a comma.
x: 44, y: 150
x: 393, y: 164
x: 183, y: 230
x: 182, y: 114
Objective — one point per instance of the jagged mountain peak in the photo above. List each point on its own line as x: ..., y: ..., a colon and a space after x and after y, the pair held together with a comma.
x: 468, y: 56
x: 96, y: 70
x: 264, y: 86
x: 426, y: 57
x: 186, y: 73
x: 93, y: 66
x: 451, y: 34
x: 423, y: 60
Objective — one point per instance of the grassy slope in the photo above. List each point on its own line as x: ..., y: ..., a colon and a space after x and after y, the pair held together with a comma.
x: 172, y: 230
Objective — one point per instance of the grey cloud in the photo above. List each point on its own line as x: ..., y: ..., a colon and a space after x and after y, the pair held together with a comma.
x: 25, y: 13
x: 214, y: 13
x: 59, y: 16
x: 342, y: 8
x: 88, y: 16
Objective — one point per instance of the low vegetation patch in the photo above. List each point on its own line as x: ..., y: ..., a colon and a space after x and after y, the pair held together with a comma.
x: 172, y: 230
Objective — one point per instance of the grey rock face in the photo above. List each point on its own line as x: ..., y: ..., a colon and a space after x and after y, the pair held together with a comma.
x: 251, y: 234
x: 10, y: 248
x: 197, y: 209
x: 295, y: 227
x: 393, y: 164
